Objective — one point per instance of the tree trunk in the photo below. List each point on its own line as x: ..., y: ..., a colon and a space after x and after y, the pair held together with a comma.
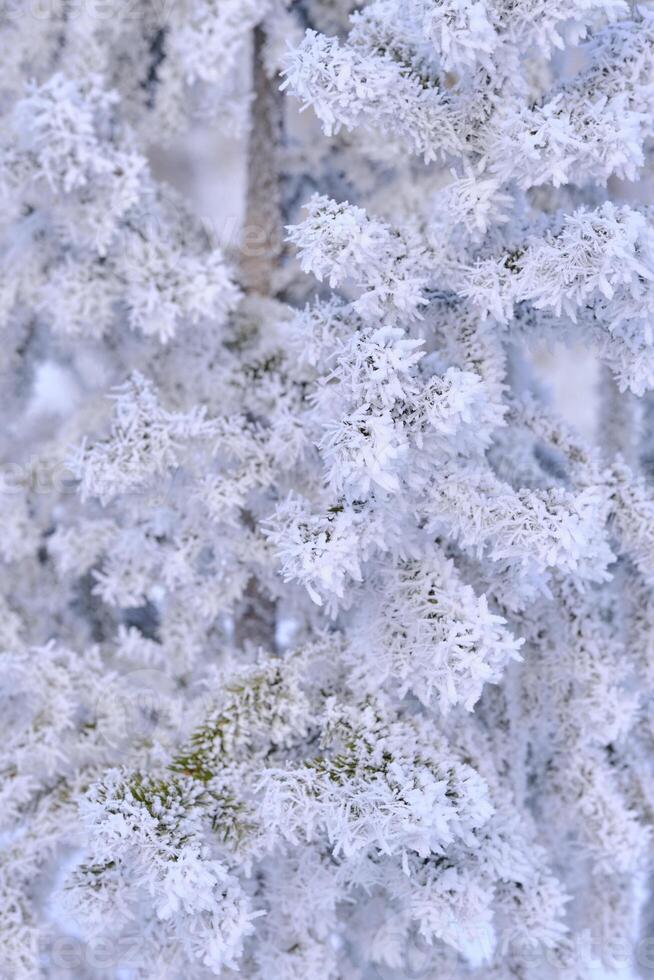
x: 262, y: 232
x: 260, y: 254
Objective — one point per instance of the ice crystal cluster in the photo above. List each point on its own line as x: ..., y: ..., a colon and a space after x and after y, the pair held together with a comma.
x: 327, y: 641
